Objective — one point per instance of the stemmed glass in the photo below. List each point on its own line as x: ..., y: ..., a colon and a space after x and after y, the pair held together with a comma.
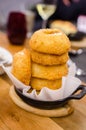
x: 46, y: 9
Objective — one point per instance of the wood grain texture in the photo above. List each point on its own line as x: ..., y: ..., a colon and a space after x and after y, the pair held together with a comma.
x: 76, y: 121
x: 4, y: 42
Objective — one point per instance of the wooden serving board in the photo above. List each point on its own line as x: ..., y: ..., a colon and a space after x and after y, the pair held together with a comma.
x: 79, y: 44
x: 59, y: 112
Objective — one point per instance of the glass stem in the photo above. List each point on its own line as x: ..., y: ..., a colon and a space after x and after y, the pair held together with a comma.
x: 44, y: 23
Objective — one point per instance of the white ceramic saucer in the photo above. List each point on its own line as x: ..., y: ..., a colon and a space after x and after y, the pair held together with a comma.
x: 5, y: 58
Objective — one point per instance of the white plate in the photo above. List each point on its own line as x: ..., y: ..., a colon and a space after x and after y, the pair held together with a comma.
x: 5, y: 58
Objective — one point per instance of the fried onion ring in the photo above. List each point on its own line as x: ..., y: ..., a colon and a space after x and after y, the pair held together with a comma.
x: 49, y: 72
x: 48, y: 59
x: 50, y: 41
x: 21, y: 66
x: 38, y: 84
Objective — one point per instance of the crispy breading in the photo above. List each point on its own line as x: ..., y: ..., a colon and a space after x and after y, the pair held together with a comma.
x: 21, y: 66
x: 38, y: 84
x: 49, y: 72
x: 50, y: 41
x: 49, y: 59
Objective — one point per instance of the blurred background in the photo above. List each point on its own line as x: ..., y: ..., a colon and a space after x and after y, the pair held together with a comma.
x: 69, y: 10
x: 64, y: 11
x: 6, y: 6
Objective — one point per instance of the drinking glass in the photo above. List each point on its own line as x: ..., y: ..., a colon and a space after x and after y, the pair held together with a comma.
x: 45, y: 9
x: 16, y: 28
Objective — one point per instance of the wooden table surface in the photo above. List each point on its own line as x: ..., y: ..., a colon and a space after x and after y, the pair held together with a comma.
x: 14, y: 118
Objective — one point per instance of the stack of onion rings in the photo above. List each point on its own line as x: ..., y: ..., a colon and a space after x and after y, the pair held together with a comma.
x: 45, y: 63
x: 49, y: 53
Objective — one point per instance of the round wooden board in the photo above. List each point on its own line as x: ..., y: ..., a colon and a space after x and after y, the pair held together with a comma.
x: 79, y: 44
x: 59, y: 112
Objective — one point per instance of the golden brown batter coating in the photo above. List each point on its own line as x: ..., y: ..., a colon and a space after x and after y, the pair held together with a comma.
x: 49, y: 72
x: 50, y: 41
x: 38, y: 84
x: 48, y: 59
x: 21, y: 66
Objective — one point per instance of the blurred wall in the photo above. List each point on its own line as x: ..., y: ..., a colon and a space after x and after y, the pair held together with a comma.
x: 11, y: 5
